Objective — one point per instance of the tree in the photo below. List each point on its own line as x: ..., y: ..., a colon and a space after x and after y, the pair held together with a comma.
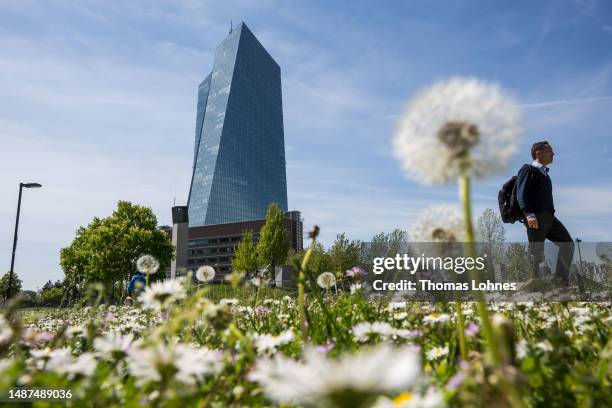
x: 273, y: 245
x: 51, y: 296
x: 491, y: 227
x: 320, y: 260
x: 4, y: 281
x: 29, y: 298
x: 245, y: 257
x: 384, y: 245
x: 344, y: 254
x: 519, y: 263
x: 106, y: 250
x: 492, y: 233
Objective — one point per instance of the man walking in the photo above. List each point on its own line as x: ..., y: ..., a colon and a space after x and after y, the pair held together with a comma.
x: 137, y: 283
x: 535, y: 198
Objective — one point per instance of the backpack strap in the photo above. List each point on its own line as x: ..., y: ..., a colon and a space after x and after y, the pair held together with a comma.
x: 530, y: 169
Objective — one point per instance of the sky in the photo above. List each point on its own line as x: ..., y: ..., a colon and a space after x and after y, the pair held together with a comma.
x: 98, y: 104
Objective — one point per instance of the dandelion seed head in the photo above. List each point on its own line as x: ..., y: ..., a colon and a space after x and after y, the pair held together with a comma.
x: 205, y: 273
x: 439, y: 223
x: 459, y: 126
x: 147, y: 264
x: 326, y: 280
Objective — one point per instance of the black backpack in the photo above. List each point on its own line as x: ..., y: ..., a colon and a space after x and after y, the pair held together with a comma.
x: 508, y: 203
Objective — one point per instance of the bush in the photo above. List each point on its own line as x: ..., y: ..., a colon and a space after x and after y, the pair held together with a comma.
x: 51, y: 296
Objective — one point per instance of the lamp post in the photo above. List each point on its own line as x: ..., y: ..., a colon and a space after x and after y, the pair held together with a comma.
x: 578, y: 241
x: 580, y: 286
x: 10, y: 283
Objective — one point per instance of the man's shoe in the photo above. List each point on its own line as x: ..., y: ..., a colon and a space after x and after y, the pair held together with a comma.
x: 560, y: 282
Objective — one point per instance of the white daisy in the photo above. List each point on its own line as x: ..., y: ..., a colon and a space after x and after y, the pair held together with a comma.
x: 459, y: 126
x: 268, y: 343
x: 5, y: 330
x: 396, y: 305
x: 229, y: 301
x: 355, y: 287
x: 84, y: 365
x: 161, y: 294
x: 354, y: 377
x: 436, y: 318
x: 113, y: 345
x: 6, y: 364
x: 363, y: 331
x: 431, y: 399
x: 545, y: 346
x: 437, y: 352
x: 194, y: 363
x: 521, y: 349
x: 59, y: 359
x: 183, y: 362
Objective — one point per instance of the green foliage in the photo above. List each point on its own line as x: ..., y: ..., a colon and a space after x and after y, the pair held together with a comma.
x: 245, y: 257
x: 106, y: 250
x: 383, y: 245
x: 518, y: 261
x: 344, y: 254
x: 29, y: 297
x: 273, y: 245
x: 51, y: 296
x: 4, y: 282
x: 491, y: 232
x: 320, y: 260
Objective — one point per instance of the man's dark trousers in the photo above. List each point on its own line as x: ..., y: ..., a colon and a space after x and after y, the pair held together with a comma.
x: 549, y: 227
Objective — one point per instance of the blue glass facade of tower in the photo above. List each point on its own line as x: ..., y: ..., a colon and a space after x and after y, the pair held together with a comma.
x: 239, y: 154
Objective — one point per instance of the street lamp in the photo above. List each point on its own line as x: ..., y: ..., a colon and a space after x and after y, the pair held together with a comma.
x: 580, y: 286
x: 578, y: 241
x: 21, y: 186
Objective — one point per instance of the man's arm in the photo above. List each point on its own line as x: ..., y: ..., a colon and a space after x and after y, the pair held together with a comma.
x: 521, y: 195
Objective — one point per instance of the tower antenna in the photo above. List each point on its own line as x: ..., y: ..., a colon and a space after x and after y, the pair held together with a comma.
x: 231, y: 27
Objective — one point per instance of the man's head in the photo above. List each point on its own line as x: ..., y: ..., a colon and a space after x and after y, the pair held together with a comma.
x: 542, y: 152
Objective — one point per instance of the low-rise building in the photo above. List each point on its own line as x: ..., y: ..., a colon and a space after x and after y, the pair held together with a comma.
x: 214, y: 245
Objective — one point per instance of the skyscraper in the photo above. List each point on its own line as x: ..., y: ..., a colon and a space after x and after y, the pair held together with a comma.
x: 239, y: 154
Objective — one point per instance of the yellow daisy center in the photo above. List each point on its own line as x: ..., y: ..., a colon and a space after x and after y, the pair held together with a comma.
x: 403, y: 397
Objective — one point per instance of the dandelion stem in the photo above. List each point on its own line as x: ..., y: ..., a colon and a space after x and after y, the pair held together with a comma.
x: 465, y: 191
x: 466, y: 201
x: 301, y: 279
x: 463, y: 349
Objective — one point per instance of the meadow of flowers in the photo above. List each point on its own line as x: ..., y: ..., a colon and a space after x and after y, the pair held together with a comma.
x: 185, y: 345
x: 245, y: 344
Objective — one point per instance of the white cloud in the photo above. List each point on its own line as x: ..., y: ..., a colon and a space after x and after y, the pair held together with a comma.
x: 586, y: 201
x: 546, y: 104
